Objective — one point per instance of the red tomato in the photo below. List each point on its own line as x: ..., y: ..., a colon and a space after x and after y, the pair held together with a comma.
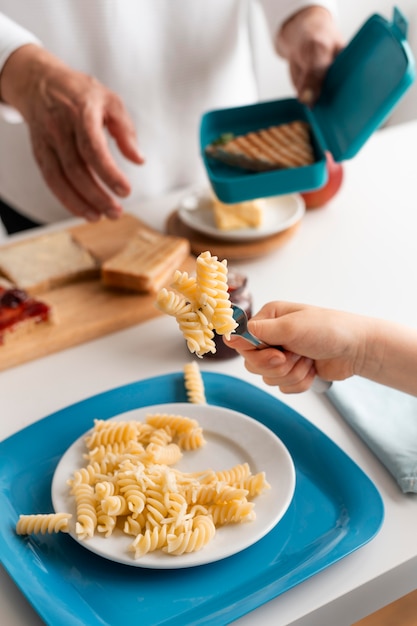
x: 319, y: 197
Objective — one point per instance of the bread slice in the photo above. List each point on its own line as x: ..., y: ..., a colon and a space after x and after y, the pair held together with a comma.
x: 276, y: 147
x: 21, y: 314
x: 146, y: 263
x: 237, y: 215
x: 43, y: 263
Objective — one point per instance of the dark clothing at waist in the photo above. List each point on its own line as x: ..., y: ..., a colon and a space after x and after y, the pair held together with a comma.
x: 15, y: 222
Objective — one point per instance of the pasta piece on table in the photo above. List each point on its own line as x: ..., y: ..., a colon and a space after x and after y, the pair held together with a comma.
x: 194, y: 384
x: 43, y: 523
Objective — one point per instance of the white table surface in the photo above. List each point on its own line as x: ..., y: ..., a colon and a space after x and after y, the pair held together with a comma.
x: 358, y: 253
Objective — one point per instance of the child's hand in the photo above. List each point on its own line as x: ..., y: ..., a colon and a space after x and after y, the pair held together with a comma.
x: 316, y: 341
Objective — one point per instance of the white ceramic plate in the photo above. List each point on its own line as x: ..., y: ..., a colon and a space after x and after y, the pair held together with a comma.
x: 279, y: 213
x: 232, y: 438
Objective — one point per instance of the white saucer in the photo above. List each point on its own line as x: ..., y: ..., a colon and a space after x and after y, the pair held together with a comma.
x: 279, y: 214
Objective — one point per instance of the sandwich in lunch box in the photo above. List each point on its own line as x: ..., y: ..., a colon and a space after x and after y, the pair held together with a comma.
x: 276, y: 147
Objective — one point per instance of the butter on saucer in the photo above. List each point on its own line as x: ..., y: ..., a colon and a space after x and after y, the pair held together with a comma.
x: 247, y: 214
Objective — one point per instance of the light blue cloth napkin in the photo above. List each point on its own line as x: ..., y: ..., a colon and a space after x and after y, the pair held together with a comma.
x: 386, y: 420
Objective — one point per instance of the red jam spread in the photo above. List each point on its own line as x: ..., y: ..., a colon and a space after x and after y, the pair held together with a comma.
x: 16, y: 306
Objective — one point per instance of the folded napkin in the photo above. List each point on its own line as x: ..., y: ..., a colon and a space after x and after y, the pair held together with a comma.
x: 386, y: 420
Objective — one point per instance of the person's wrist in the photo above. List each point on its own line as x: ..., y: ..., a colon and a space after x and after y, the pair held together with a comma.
x: 20, y: 74
x: 370, y: 349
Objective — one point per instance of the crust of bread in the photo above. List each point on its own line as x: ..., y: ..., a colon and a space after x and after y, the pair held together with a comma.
x: 146, y: 262
x: 43, y: 263
x: 276, y: 147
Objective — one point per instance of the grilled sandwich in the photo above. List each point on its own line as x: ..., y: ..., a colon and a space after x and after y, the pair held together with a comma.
x: 145, y: 263
x: 276, y: 147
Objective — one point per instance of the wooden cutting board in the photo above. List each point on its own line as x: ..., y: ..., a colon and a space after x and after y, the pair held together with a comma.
x: 87, y: 310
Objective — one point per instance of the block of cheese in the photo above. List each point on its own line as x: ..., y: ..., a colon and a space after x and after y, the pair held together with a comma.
x: 240, y: 215
x: 43, y: 263
x: 146, y: 262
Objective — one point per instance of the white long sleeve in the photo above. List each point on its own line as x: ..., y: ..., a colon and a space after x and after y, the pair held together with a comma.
x: 12, y: 36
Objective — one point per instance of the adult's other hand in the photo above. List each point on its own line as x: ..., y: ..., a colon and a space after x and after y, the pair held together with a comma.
x: 67, y: 113
x: 310, y: 40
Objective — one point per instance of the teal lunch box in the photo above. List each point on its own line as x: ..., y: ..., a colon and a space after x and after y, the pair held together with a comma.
x: 362, y: 87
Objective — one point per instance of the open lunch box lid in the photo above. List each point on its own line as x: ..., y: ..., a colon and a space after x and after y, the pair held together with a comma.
x: 362, y: 87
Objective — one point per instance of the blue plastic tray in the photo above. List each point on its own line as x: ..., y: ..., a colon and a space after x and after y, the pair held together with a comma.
x: 335, y: 510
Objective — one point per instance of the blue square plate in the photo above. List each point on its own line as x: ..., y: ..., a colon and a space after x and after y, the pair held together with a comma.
x: 335, y: 510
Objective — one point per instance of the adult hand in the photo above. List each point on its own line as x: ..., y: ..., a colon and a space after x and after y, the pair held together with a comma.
x: 309, y: 41
x: 319, y: 341
x: 67, y: 113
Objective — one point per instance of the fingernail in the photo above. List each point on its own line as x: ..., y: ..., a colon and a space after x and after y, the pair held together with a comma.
x: 134, y: 146
x: 307, y: 96
x: 293, y: 357
x: 91, y: 216
x: 113, y: 213
x: 277, y: 360
x: 121, y: 191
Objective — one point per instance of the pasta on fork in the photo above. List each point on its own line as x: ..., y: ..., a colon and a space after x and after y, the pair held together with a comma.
x: 200, y: 304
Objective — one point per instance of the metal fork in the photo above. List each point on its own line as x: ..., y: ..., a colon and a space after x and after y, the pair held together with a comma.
x: 241, y: 318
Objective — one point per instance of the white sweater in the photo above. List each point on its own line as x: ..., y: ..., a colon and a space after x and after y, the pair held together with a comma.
x: 168, y: 60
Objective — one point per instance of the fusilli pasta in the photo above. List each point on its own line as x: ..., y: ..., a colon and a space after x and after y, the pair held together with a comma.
x: 201, y: 304
x: 129, y: 483
x: 194, y: 383
x: 43, y: 523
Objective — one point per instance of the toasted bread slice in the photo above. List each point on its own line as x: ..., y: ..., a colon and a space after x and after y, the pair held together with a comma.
x: 43, y: 263
x: 145, y: 263
x: 276, y: 147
